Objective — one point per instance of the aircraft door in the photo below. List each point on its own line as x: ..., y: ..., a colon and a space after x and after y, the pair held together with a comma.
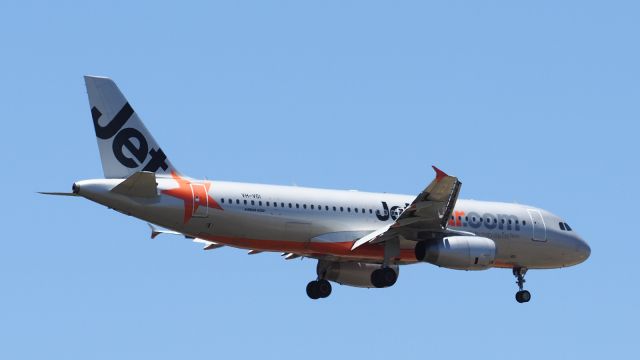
x: 200, y: 207
x: 538, y: 225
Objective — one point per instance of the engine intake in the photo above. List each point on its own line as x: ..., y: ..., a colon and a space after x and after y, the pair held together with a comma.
x: 458, y: 252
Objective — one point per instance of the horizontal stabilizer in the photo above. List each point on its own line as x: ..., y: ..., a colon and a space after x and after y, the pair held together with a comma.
x: 57, y: 193
x: 141, y: 184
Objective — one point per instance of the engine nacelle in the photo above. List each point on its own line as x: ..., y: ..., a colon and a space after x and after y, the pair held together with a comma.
x: 458, y: 252
x: 351, y: 273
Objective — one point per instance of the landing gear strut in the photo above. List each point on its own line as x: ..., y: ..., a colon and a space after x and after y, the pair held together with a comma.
x: 522, y: 296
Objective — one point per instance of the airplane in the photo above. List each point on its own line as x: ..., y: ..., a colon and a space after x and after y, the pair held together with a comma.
x: 359, y: 239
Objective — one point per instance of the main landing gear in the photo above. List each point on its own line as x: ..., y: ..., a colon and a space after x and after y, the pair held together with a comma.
x: 319, y: 289
x: 386, y: 276
x: 383, y: 277
x: 522, y: 296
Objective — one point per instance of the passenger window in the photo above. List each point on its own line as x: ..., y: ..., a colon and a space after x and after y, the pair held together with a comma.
x: 304, y: 206
x: 275, y: 204
x: 341, y: 208
x: 567, y: 226
x: 260, y: 203
x: 326, y: 208
x: 561, y: 226
x: 245, y: 202
x: 289, y: 205
x: 222, y: 200
x: 281, y: 204
x: 334, y: 208
x: 363, y: 211
x: 238, y: 201
x: 509, y: 221
x: 297, y: 206
x: 253, y: 202
x: 370, y: 211
x: 524, y: 223
x: 355, y: 209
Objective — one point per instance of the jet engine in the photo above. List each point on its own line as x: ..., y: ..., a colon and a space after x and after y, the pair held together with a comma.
x: 351, y: 273
x: 458, y: 252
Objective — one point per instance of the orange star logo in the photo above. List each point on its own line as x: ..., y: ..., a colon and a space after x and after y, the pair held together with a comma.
x: 194, y: 195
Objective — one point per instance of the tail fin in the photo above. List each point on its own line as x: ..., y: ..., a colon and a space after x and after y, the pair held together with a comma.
x: 125, y: 144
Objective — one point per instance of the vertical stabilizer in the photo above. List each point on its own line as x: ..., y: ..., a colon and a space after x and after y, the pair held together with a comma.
x: 125, y: 144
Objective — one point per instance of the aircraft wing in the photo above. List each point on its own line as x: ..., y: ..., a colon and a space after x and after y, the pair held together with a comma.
x: 427, y: 215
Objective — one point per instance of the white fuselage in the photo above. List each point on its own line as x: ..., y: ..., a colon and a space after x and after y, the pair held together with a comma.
x: 324, y: 223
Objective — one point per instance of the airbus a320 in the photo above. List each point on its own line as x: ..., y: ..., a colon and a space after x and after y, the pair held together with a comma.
x: 358, y: 238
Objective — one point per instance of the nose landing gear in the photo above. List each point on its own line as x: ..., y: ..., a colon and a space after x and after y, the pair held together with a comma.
x: 522, y: 296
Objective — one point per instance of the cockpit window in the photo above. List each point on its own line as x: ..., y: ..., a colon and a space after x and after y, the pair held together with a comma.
x: 567, y: 226
x: 562, y: 226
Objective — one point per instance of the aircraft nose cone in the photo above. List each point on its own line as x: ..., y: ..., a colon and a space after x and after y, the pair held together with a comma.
x: 583, y: 249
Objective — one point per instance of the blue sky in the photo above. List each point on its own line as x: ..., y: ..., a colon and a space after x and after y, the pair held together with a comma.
x: 529, y: 102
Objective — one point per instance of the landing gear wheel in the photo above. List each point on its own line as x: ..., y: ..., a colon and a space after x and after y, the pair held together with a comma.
x: 390, y: 276
x: 523, y: 296
x: 376, y: 278
x: 312, y: 290
x: 323, y: 288
x: 383, y: 277
x: 318, y: 289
